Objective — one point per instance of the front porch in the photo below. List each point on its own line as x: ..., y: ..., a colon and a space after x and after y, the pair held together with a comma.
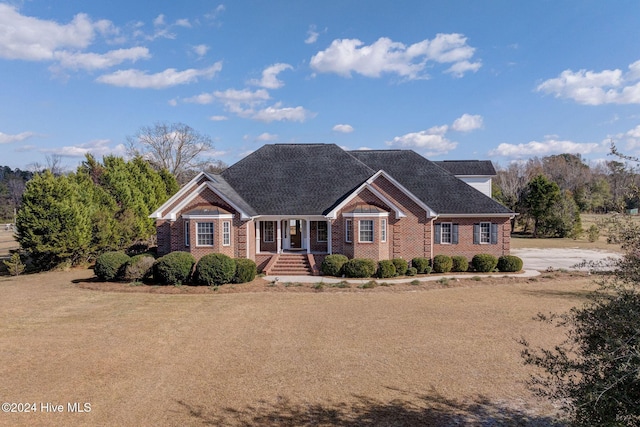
x: 305, y: 235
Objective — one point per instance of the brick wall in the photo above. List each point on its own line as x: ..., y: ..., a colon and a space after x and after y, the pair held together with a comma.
x: 465, y: 245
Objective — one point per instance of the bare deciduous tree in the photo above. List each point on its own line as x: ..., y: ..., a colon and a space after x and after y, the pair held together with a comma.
x: 176, y: 147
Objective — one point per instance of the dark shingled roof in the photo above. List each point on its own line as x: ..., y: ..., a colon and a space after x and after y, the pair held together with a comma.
x: 437, y: 188
x: 296, y: 179
x: 468, y: 167
x: 310, y: 179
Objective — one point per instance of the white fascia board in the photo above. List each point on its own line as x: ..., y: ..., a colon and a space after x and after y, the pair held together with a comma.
x: 416, y: 200
x: 482, y: 215
x: 157, y: 214
x: 213, y: 216
x: 364, y: 214
x: 334, y: 212
x: 281, y: 217
x: 173, y: 214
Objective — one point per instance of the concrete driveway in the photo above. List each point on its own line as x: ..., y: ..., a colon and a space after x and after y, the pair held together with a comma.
x: 543, y: 259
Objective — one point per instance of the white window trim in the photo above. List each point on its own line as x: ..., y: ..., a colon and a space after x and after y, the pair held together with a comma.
x: 488, y: 242
x: 360, y: 231
x: 318, y: 231
x: 348, y: 235
x: 442, y: 225
x: 187, y: 236
x: 198, y: 244
x: 226, y: 233
x: 383, y: 230
x: 264, y: 232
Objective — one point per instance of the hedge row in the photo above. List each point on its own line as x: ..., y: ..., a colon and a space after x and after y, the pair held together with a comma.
x: 340, y: 265
x: 176, y: 268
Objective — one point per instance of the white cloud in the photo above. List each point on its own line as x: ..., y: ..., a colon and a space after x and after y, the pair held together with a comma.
x: 98, y: 148
x: 241, y: 102
x: 266, y: 137
x: 167, y: 78
x: 346, y: 56
x: 278, y: 113
x: 200, y: 50
x: 433, y: 141
x: 343, y: 128
x: 214, y: 14
x: 32, y: 39
x: 269, y: 78
x: 467, y: 123
x: 8, y: 138
x: 218, y: 118
x: 95, y: 61
x: 547, y: 147
x: 596, y: 88
x: 312, y: 35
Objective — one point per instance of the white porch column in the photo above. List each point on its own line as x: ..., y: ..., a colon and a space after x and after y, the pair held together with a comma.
x: 329, y: 237
x: 308, y: 227
x: 258, y: 236
x: 279, y: 237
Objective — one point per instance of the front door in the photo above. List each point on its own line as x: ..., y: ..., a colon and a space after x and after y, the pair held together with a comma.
x: 295, y: 234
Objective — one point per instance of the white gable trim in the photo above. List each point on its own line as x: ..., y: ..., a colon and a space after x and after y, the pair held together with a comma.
x: 173, y: 214
x: 416, y: 200
x: 399, y: 212
x: 157, y: 214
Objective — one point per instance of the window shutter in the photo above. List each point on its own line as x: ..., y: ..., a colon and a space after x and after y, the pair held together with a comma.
x: 438, y: 231
x: 476, y: 234
x: 454, y: 234
x: 494, y: 234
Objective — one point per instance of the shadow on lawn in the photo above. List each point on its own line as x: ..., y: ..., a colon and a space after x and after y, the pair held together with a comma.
x: 421, y: 410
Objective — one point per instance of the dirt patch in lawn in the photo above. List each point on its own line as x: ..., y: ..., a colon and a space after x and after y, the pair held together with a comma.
x: 441, y: 356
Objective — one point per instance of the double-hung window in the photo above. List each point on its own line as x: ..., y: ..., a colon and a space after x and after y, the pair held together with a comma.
x: 366, y: 230
x: 485, y: 232
x: 322, y: 231
x: 446, y: 232
x: 383, y: 230
x: 348, y: 231
x: 187, y: 236
x: 268, y: 232
x: 226, y: 233
x: 204, y: 231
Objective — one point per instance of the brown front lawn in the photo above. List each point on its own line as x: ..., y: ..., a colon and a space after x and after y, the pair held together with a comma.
x: 410, y: 355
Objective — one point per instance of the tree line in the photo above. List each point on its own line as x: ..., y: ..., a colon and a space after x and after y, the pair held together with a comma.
x: 550, y: 192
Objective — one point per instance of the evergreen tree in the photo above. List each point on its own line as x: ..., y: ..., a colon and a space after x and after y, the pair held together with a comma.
x: 540, y: 197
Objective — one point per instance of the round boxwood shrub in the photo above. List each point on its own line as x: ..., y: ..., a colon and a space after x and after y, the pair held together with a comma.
x: 412, y: 271
x: 246, y: 270
x: 509, y: 263
x: 359, y: 267
x: 442, y: 264
x: 215, y: 269
x: 332, y: 264
x: 422, y: 265
x: 174, y: 268
x: 401, y: 266
x: 484, y: 263
x: 459, y: 264
x: 386, y: 269
x: 139, y: 267
x: 109, y: 264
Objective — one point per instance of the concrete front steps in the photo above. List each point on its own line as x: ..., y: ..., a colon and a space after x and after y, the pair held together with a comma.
x: 290, y: 265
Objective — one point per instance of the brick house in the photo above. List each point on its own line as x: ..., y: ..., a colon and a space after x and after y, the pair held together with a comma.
x: 286, y: 206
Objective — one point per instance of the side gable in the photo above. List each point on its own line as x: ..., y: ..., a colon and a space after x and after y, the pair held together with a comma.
x: 435, y: 187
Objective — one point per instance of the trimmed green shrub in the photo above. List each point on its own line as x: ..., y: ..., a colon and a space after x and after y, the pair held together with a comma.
x: 484, y: 263
x: 442, y: 264
x: 386, y: 269
x: 509, y: 264
x: 139, y: 267
x: 412, y: 271
x: 174, y: 268
x: 109, y: 264
x: 246, y: 270
x: 422, y: 265
x: 215, y: 269
x: 401, y: 266
x: 459, y: 264
x: 332, y: 264
x: 359, y: 267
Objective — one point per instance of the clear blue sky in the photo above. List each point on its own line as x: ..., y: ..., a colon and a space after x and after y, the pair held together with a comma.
x: 500, y: 80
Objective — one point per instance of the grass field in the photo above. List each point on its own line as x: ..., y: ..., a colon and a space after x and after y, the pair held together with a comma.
x: 444, y: 356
